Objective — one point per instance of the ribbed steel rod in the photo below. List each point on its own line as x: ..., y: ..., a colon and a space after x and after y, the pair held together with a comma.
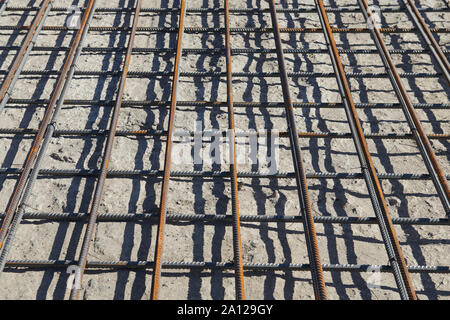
x: 300, y: 177
x: 158, y: 133
x: 203, y: 74
x: 168, y: 159
x: 19, y: 61
x: 135, y: 265
x: 213, y: 174
x: 315, y: 266
x: 23, y: 183
x: 215, y: 218
x: 241, y: 104
x: 58, y: 95
x: 429, y: 39
x: 233, y: 30
x: 255, y: 11
x: 388, y: 233
x: 75, y: 292
x: 220, y: 51
x: 425, y: 148
x: 237, y: 243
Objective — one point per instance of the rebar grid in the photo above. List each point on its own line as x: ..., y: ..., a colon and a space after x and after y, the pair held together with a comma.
x: 47, y: 129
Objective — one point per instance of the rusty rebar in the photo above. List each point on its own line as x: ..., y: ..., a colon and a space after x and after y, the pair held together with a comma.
x: 424, y: 145
x: 105, y: 161
x: 429, y: 39
x: 300, y: 177
x: 24, y: 49
x: 33, y: 153
x: 168, y: 159
x: 237, y: 243
x: 388, y: 233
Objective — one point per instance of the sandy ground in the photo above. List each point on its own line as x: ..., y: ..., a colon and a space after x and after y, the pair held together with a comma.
x: 262, y: 242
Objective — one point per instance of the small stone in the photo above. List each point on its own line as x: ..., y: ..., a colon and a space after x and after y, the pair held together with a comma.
x: 63, y: 158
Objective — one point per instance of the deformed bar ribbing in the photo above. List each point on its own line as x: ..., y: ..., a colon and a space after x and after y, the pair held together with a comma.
x: 249, y: 10
x: 24, y: 186
x: 79, y: 133
x: 214, y: 218
x: 202, y: 74
x: 233, y: 30
x: 134, y: 265
x: 213, y: 174
x: 391, y: 243
x: 237, y: 243
x: 21, y: 56
x: 105, y: 161
x: 218, y: 104
x: 167, y: 159
x: 228, y: 174
x: 429, y: 39
x: 300, y: 177
x: 424, y: 145
x: 220, y: 51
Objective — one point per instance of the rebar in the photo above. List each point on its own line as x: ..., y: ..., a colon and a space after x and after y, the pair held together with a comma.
x: 21, y: 57
x: 168, y: 159
x: 300, y: 176
x: 388, y: 233
x: 426, y: 150
x: 105, y: 160
x: 237, y: 243
x: 28, y: 176
x: 303, y: 180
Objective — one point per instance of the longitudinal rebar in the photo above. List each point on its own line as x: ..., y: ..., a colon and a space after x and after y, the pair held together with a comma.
x: 388, y: 233
x: 246, y: 11
x: 424, y: 145
x: 213, y: 218
x: 168, y: 159
x: 203, y: 74
x: 29, y: 172
x: 300, y: 176
x: 212, y: 174
x: 42, y: 135
x: 233, y: 30
x: 218, y: 104
x: 237, y: 243
x: 220, y: 51
x: 19, y: 61
x: 105, y: 161
x: 159, y: 133
x: 429, y: 39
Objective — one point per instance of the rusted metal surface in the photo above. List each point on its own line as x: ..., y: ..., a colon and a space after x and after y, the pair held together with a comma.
x: 388, y: 233
x: 106, y: 159
x: 429, y: 39
x: 300, y: 177
x: 237, y: 242
x: 45, y: 6
x: 168, y: 159
x: 33, y: 153
x: 240, y: 219
x: 237, y: 30
x: 431, y: 162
